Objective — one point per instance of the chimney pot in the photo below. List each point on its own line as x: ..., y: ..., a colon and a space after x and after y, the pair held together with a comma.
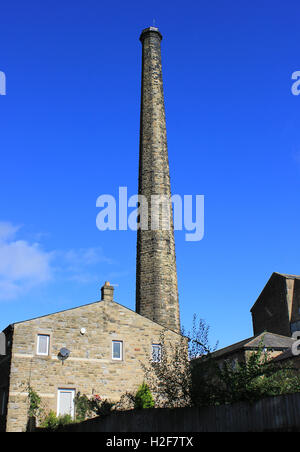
x: 107, y: 292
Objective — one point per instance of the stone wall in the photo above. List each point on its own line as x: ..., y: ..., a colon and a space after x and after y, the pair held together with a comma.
x: 90, y: 368
x: 156, y: 277
x: 271, y: 310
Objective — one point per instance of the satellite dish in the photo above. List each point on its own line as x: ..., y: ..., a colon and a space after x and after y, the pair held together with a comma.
x: 64, y: 353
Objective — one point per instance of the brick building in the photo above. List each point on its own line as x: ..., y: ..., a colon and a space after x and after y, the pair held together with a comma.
x: 105, y: 343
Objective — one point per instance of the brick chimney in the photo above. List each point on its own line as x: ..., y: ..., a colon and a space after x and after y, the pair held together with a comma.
x: 107, y: 292
x: 156, y: 275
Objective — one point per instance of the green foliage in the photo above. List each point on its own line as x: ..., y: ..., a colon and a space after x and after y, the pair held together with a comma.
x: 204, y: 384
x: 254, y: 379
x: 196, y: 379
x: 170, y: 379
x: 87, y: 407
x: 100, y: 407
x: 143, y: 397
x: 34, y: 402
x: 65, y: 420
x: 52, y: 422
x: 198, y: 339
x: 231, y: 382
x: 82, y: 407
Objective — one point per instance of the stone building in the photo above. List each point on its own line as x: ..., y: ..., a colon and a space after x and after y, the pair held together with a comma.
x: 104, y: 343
x: 107, y: 344
x: 277, y: 308
x: 274, y: 344
x: 275, y: 317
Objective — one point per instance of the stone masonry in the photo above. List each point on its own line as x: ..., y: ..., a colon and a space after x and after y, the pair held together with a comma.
x: 90, y: 368
x: 277, y: 308
x: 156, y: 277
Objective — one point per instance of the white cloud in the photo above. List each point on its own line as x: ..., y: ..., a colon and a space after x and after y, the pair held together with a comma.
x: 77, y: 265
x: 7, y: 230
x: 25, y: 265
x: 22, y: 265
x: 85, y: 256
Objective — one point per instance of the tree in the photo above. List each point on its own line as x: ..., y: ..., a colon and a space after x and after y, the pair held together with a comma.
x: 171, y: 379
x: 198, y: 337
x: 143, y: 397
x: 254, y: 379
x: 192, y: 377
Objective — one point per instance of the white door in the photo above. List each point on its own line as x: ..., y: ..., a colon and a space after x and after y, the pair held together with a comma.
x: 65, y: 402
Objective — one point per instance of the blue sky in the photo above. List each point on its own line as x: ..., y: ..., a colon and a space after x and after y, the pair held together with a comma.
x: 69, y: 131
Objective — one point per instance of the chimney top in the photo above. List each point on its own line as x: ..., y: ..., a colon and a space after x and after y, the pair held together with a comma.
x: 107, y: 292
x: 150, y: 30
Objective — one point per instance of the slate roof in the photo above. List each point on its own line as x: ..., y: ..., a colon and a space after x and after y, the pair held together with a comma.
x: 268, y: 340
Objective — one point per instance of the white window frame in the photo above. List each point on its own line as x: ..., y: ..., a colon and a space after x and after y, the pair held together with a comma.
x: 73, y: 392
x: 38, y: 343
x: 121, y: 351
x: 160, y: 352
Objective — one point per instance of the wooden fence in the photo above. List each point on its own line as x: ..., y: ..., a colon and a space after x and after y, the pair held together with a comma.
x: 273, y: 414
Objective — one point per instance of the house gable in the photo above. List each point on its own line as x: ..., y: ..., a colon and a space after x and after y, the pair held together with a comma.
x: 271, y: 311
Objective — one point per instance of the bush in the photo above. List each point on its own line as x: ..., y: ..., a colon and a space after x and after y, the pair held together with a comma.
x: 255, y: 379
x: 143, y: 398
x: 52, y: 422
x: 65, y: 420
x: 100, y: 407
x: 86, y: 408
x: 82, y: 407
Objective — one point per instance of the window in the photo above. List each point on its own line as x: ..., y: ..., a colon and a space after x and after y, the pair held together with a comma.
x: 43, y: 344
x: 117, y: 350
x: 156, y: 353
x: 66, y: 402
